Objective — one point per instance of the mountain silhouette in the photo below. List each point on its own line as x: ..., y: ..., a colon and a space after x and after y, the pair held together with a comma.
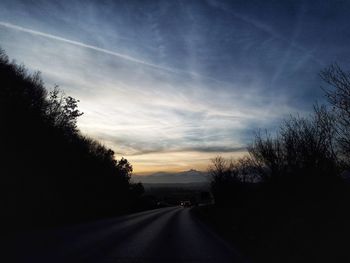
x: 190, y: 176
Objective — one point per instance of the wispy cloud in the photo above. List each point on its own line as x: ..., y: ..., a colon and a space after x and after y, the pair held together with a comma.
x: 106, y: 51
x: 80, y: 44
x: 262, y: 26
x: 170, y: 84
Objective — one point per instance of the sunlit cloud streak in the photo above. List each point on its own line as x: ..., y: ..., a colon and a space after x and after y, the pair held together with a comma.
x: 109, y: 52
x: 37, y: 33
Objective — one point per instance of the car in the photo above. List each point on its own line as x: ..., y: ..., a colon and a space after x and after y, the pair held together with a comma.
x: 186, y: 203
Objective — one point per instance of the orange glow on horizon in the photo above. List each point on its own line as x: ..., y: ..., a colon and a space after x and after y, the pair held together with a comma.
x: 145, y: 164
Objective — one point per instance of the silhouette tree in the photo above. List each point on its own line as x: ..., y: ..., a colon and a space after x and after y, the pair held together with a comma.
x: 229, y: 178
x: 303, y: 147
x: 338, y: 94
x: 63, y: 111
x: 289, y: 183
x: 49, y: 172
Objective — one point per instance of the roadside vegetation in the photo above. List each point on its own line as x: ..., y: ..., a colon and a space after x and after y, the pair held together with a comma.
x: 288, y: 199
x: 50, y: 172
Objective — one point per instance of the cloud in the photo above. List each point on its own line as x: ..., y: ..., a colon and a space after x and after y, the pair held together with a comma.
x: 80, y: 44
x: 199, y: 149
x: 109, y: 52
x: 262, y: 26
x: 176, y: 82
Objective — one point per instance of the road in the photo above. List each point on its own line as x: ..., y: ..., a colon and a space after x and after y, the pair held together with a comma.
x: 170, y: 234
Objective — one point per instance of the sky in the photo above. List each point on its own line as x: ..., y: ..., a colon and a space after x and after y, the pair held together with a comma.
x: 171, y: 84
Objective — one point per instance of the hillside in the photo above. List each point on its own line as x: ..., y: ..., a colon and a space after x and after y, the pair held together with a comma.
x: 50, y: 172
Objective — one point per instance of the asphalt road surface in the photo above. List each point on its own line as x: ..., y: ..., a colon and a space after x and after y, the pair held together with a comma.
x: 163, y: 235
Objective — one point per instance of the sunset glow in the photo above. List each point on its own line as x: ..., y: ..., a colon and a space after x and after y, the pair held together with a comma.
x: 169, y: 92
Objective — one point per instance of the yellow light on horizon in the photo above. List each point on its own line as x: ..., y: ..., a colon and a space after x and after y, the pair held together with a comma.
x: 144, y: 164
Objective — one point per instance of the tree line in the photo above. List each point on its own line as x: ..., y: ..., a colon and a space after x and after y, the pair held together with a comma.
x: 290, y: 193
x: 50, y: 172
x: 303, y: 148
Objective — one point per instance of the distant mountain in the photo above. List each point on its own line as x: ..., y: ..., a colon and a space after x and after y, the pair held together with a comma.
x: 190, y: 176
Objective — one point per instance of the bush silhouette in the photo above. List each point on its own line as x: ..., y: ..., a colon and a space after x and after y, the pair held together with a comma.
x: 338, y: 95
x: 289, y: 188
x: 302, y: 148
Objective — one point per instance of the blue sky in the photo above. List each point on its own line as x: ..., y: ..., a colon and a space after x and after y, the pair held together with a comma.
x: 170, y: 84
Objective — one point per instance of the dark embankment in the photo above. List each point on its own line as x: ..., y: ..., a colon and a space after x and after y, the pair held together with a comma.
x: 288, y: 199
x: 269, y: 225
x: 50, y: 172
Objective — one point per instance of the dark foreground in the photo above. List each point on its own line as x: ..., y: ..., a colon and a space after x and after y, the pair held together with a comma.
x: 162, y: 235
x: 309, y: 232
